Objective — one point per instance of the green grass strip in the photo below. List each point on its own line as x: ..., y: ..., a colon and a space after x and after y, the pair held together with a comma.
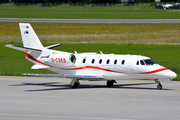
x: 89, y: 13
x: 142, y: 33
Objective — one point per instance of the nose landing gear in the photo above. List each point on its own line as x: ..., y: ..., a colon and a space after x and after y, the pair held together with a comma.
x: 159, y: 86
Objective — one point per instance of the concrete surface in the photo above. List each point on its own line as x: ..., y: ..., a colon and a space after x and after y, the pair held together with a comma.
x: 40, y: 98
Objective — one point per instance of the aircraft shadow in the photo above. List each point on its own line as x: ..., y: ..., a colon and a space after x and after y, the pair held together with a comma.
x: 58, y: 86
x: 43, y: 84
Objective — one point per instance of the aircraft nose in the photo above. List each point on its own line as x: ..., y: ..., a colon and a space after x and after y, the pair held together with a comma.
x: 169, y: 74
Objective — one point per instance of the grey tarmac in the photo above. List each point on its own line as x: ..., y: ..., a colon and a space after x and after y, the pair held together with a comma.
x: 91, y: 20
x: 47, y: 98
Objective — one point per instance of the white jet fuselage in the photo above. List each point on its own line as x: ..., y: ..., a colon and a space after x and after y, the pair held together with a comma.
x: 109, y: 66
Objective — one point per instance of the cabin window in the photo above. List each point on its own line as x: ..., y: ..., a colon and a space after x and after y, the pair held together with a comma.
x: 123, y: 61
x: 115, y: 61
x: 142, y: 62
x: 100, y: 61
x: 149, y: 62
x: 93, y: 60
x: 84, y: 60
x: 108, y: 61
x: 137, y: 62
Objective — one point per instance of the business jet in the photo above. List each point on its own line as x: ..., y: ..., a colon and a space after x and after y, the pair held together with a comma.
x: 167, y: 6
x: 88, y: 66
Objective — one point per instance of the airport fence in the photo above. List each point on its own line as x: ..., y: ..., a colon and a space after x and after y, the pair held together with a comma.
x: 64, y: 5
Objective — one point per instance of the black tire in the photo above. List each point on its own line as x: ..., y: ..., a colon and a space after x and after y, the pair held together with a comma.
x: 110, y: 83
x: 159, y: 87
x: 76, y: 84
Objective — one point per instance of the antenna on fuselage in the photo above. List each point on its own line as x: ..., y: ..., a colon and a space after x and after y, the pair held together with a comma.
x: 101, y: 52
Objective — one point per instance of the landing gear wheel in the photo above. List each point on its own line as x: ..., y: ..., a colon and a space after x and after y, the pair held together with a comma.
x: 110, y: 83
x: 76, y: 84
x: 159, y: 86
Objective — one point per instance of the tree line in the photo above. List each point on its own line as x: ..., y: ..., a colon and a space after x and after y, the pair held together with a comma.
x: 80, y: 1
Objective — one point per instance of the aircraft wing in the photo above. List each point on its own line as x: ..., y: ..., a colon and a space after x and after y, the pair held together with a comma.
x: 81, y: 77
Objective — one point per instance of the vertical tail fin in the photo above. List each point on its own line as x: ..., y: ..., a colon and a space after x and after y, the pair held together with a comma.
x: 29, y: 37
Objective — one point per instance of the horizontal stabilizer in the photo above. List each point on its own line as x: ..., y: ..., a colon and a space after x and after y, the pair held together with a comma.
x: 88, y: 77
x: 24, y: 49
x: 53, y: 46
x: 36, y: 66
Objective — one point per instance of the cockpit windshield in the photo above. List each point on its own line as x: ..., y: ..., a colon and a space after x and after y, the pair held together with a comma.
x: 149, y: 62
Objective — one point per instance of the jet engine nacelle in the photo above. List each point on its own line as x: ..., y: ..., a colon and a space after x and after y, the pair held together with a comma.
x: 59, y: 60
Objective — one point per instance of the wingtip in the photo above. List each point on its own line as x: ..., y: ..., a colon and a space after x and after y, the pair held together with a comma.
x: 8, y: 45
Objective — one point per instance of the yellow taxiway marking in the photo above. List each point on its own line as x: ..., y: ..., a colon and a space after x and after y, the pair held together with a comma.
x: 175, y: 90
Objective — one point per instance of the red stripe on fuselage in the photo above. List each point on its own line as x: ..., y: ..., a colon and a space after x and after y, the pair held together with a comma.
x: 93, y: 67
x: 154, y: 71
x: 31, y: 57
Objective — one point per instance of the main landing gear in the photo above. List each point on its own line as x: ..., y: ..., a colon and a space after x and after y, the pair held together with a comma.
x: 159, y: 86
x: 75, y: 83
x: 111, y: 83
